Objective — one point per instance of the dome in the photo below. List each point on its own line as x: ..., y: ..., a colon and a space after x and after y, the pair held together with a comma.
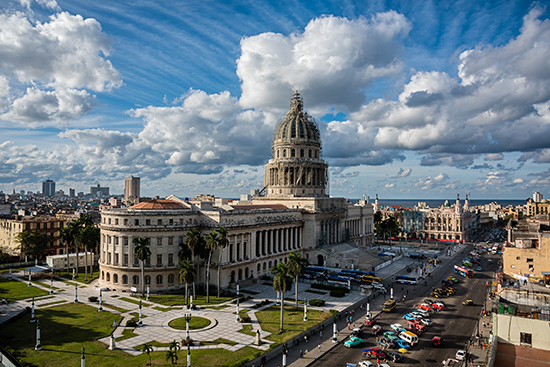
x: 296, y: 126
x: 159, y: 204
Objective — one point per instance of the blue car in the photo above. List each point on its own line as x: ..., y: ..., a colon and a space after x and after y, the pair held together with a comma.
x: 353, y: 342
x: 479, y: 268
x: 409, y: 317
x: 402, y: 344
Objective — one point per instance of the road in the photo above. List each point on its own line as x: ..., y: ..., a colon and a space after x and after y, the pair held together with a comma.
x: 456, y: 324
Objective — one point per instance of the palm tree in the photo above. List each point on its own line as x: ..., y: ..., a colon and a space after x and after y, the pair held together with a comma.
x: 193, y: 242
x: 142, y: 252
x: 174, y: 345
x: 296, y: 267
x: 147, y: 348
x: 88, y: 237
x: 67, y: 235
x: 211, y: 245
x: 281, y: 283
x: 172, y: 356
x: 76, y: 226
x: 222, y: 243
x: 187, y: 276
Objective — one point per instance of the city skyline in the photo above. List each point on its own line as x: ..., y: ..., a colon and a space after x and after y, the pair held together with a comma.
x: 412, y: 100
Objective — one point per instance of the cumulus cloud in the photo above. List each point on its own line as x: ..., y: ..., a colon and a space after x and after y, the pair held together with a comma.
x: 331, y: 62
x: 403, y: 173
x: 58, y: 61
x: 439, y: 182
x: 389, y: 186
x: 494, y: 157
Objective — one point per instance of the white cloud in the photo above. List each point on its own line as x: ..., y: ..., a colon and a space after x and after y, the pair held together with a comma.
x: 389, y: 186
x: 403, y: 173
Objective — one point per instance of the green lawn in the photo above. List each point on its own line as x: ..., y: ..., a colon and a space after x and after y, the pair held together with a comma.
x: 13, y: 290
x: 196, y: 322
x: 67, y: 328
x: 247, y: 329
x: 179, y: 299
x: 40, y: 298
x: 293, y: 323
x: 135, y: 301
x: 126, y: 334
x: 219, y: 341
x: 113, y: 307
x: 80, y: 277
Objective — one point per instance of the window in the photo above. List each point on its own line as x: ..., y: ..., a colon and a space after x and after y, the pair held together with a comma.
x: 147, y: 279
x: 159, y: 222
x: 159, y: 279
x: 301, y: 153
x: 171, y: 221
x: 135, y: 280
x: 125, y: 259
x: 125, y: 241
x: 292, y: 153
x: 529, y: 260
x: 159, y: 241
x: 108, y: 258
x: 525, y: 338
x: 116, y: 259
x: 159, y: 260
x: 284, y: 153
x: 125, y: 279
x: 116, y: 241
x: 170, y: 241
x: 136, y: 222
x: 115, y: 278
x: 136, y: 261
x: 170, y: 259
x: 109, y: 220
x: 171, y: 279
x: 116, y: 221
x: 125, y: 222
x: 148, y: 261
x: 147, y: 222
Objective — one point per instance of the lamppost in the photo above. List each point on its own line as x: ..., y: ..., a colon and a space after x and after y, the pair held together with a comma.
x: 368, y: 307
x: 305, y: 309
x: 32, y: 311
x: 76, y: 293
x: 9, y: 276
x: 140, y: 321
x: 187, y: 318
x: 38, y: 346
x: 284, y: 349
x: 29, y: 279
x: 100, y: 301
x: 334, y: 329
x: 82, y: 360
x: 51, y: 284
x: 191, y: 298
x: 391, y: 291
x: 147, y: 292
x: 238, y: 319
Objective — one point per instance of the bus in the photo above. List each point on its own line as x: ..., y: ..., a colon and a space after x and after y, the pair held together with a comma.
x: 319, y: 271
x: 371, y: 279
x: 358, y: 273
x: 389, y: 305
x: 464, y: 272
x: 403, y: 279
x: 338, y: 281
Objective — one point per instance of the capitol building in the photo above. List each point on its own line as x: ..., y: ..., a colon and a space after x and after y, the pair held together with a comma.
x: 293, y: 212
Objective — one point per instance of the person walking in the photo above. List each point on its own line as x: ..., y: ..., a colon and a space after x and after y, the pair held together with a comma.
x: 301, y: 353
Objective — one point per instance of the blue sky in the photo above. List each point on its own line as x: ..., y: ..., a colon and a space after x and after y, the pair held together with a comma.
x: 414, y: 99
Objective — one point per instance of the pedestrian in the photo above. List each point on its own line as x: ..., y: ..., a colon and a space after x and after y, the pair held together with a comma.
x: 319, y: 346
x: 377, y: 363
x: 348, y: 326
x: 301, y: 353
x: 305, y: 338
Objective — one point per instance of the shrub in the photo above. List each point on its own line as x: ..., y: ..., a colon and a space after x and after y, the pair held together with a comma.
x: 337, y: 293
x: 184, y: 342
x: 132, y: 322
x: 246, y: 319
x: 317, y: 302
x: 93, y: 299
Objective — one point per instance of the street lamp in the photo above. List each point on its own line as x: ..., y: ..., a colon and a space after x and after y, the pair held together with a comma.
x: 284, y: 349
x: 82, y: 360
x: 38, y: 346
x: 29, y: 279
x: 334, y: 329
x: 238, y: 319
x: 100, y: 301
x: 51, y: 284
x: 305, y: 309
x: 187, y: 318
x: 140, y: 321
x: 32, y: 311
x: 76, y: 293
x: 147, y: 299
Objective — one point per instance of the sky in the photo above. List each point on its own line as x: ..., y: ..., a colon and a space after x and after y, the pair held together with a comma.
x: 414, y: 99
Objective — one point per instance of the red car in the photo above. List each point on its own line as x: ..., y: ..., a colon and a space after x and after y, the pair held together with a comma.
x: 424, y: 306
x: 416, y: 325
x: 437, y: 341
x: 440, y: 306
x: 375, y: 329
x: 369, y: 322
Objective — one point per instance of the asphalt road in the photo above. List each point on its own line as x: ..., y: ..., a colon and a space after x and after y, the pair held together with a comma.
x: 456, y: 324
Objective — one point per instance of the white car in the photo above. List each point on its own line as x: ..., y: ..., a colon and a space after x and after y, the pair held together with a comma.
x: 422, y: 313
x: 426, y: 322
x: 397, y: 327
x: 365, y: 364
x: 460, y: 355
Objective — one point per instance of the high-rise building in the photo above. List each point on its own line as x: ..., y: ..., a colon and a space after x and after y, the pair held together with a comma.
x: 99, y: 191
x: 48, y: 188
x: 131, y: 188
x: 71, y: 193
x: 537, y: 197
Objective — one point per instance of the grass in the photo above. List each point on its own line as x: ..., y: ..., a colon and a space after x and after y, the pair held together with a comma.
x: 13, y: 290
x: 80, y: 277
x: 126, y: 334
x: 67, y: 328
x: 219, y: 341
x: 154, y: 343
x: 179, y: 299
x: 121, y: 310
x: 293, y: 321
x: 217, y: 307
x: 316, y: 292
x: 247, y: 329
x: 135, y: 301
x: 40, y: 298
x: 44, y: 284
x: 163, y: 309
x: 196, y: 322
x: 293, y: 300
x: 136, y: 315
x: 52, y: 303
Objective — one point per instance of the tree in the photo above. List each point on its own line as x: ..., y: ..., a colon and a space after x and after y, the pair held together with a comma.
x: 142, y: 252
x: 187, y: 276
x: 211, y: 245
x: 193, y: 242
x: 172, y: 356
x: 147, y: 348
x: 222, y: 243
x: 32, y: 243
x: 67, y: 234
x: 281, y: 283
x: 296, y: 267
x: 88, y: 237
x: 77, y: 226
x: 174, y: 345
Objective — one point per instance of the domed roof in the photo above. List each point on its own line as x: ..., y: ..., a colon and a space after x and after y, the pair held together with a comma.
x: 296, y: 126
x: 159, y: 204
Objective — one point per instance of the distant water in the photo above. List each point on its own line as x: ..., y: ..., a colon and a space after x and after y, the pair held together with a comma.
x: 409, y: 203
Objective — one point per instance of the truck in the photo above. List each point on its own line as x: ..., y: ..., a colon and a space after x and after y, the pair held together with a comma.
x: 409, y: 337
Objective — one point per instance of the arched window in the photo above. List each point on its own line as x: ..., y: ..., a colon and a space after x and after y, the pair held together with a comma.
x: 102, y: 275
x: 125, y: 279
x: 135, y: 280
x: 246, y: 272
x: 108, y: 277
x: 301, y: 153
x: 265, y: 266
x: 292, y: 153
x: 115, y: 278
x: 232, y: 280
x: 159, y: 279
x: 259, y: 268
x: 316, y: 154
x: 284, y: 153
x: 147, y: 279
x: 278, y: 154
x: 310, y: 153
x: 171, y: 279
x: 240, y: 274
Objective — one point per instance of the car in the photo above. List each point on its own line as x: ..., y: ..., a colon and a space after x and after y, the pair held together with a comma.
x: 435, y: 294
x: 469, y: 302
x: 461, y: 355
x: 375, y: 329
x: 437, y: 341
x: 451, y: 362
x: 391, y: 335
x: 386, y: 342
x: 421, y: 313
x: 394, y: 357
x: 439, y: 306
x: 353, y: 342
x: 364, y: 364
x: 415, y: 331
x: 410, y: 317
x: 479, y: 268
x: 490, y: 261
x: 402, y: 344
x: 357, y: 332
x: 452, y: 279
x: 397, y: 327
x: 426, y: 322
x: 428, y: 301
x: 425, y: 307
x: 370, y: 322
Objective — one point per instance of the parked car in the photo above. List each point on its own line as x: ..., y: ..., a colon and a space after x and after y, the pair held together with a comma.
x: 437, y: 341
x: 410, y: 317
x: 375, y: 329
x: 391, y: 335
x: 402, y: 344
x: 469, y: 302
x: 439, y: 306
x: 460, y: 355
x: 426, y: 322
x: 424, y: 306
x: 429, y: 301
x: 397, y: 327
x: 353, y: 342
x: 357, y: 332
x: 479, y: 268
x: 394, y: 357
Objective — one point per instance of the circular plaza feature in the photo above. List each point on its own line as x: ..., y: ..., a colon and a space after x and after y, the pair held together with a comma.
x: 195, y: 323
